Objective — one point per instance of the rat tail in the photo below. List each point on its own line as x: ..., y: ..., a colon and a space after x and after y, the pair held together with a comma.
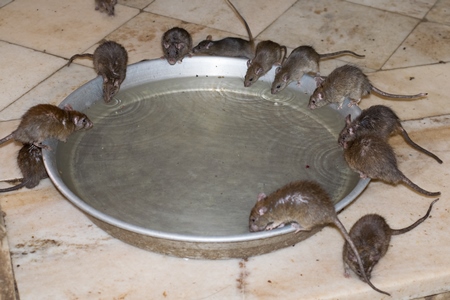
x: 339, y: 53
x: 411, y: 227
x: 13, y: 188
x: 250, y: 36
x: 350, y: 242
x: 86, y: 55
x: 417, y: 147
x: 417, y: 188
x: 6, y: 138
x: 395, y: 96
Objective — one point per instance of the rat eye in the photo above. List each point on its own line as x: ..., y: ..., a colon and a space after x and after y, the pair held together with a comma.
x: 278, y: 86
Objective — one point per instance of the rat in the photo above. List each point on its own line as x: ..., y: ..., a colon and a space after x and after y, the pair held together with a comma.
x: 305, y: 205
x: 302, y: 60
x: 380, y: 120
x: 176, y: 44
x: 45, y: 121
x: 32, y: 167
x: 347, y: 82
x: 267, y: 54
x: 106, y: 6
x: 110, y: 61
x: 372, y: 156
x: 230, y: 46
x: 371, y: 235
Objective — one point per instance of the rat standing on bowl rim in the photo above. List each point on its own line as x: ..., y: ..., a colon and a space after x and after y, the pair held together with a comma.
x: 44, y: 121
x: 348, y: 82
x: 301, y: 61
x: 230, y: 46
x: 110, y: 61
x: 31, y: 164
x: 371, y: 156
x: 176, y: 43
x: 371, y: 235
x: 379, y: 120
x: 268, y: 53
x: 303, y: 204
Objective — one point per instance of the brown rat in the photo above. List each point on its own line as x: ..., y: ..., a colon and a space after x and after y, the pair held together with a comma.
x: 371, y: 235
x: 32, y: 167
x: 372, y: 156
x: 303, y: 204
x: 347, y: 82
x: 45, y: 121
x: 267, y: 54
x: 106, y: 6
x: 230, y: 46
x: 110, y: 61
x: 302, y: 60
x: 380, y: 120
x: 176, y: 44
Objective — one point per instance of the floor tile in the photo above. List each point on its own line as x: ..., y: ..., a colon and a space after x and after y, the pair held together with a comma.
x: 427, y: 44
x: 440, y: 12
x: 333, y: 26
x: 52, y: 91
x: 58, y: 27
x: 25, y: 68
x: 136, y: 3
x: 217, y: 14
x: 4, y: 2
x: 412, y: 8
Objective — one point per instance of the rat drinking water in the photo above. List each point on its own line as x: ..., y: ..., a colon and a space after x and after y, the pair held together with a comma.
x: 380, y: 120
x: 110, y: 61
x: 230, y: 46
x: 301, y: 61
x: 45, y: 121
x: 371, y: 235
x: 31, y: 165
x: 106, y: 6
x: 303, y: 204
x: 268, y: 53
x: 176, y: 44
x: 372, y: 156
x: 347, y: 82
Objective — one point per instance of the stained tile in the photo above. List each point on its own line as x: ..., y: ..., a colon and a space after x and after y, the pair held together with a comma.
x: 427, y: 44
x: 58, y: 27
x: 52, y: 91
x: 25, y: 69
x: 440, y: 12
x: 412, y: 8
x: 339, y: 25
x: 217, y: 14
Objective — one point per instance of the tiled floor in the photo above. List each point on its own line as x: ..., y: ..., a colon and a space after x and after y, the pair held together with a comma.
x: 57, y: 253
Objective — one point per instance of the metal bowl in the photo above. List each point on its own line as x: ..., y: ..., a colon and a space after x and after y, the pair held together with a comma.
x: 175, y: 163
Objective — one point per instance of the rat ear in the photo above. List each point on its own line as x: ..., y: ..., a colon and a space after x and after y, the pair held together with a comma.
x: 319, y: 79
x: 209, y: 37
x: 262, y: 210
x: 348, y: 119
x: 285, y: 77
x: 68, y: 107
x: 116, y: 83
x: 249, y: 63
x: 209, y: 45
x: 258, y: 71
x: 180, y: 45
x: 75, y: 119
x: 166, y: 45
x: 105, y: 79
x: 320, y: 96
x: 277, y: 70
x: 261, y: 196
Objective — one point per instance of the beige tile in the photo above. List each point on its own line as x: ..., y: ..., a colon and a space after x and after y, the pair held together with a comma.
x: 412, y: 8
x: 58, y: 27
x: 4, y: 2
x: 339, y: 25
x: 431, y: 79
x: 217, y: 14
x: 136, y: 3
x: 53, y: 90
x: 440, y: 12
x: 25, y: 68
x: 427, y: 44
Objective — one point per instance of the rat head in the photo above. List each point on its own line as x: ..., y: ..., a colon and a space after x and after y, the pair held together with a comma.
x: 80, y: 120
x: 347, y: 134
x: 259, y: 218
x: 280, y: 82
x: 111, y: 87
x: 369, y: 259
x: 317, y: 99
x: 174, y: 52
x: 203, y: 46
x: 107, y: 6
x: 254, y: 71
